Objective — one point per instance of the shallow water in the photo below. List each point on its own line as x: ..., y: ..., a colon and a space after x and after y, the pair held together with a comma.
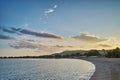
x: 45, y: 69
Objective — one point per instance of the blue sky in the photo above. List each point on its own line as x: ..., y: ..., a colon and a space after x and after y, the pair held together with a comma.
x: 47, y: 21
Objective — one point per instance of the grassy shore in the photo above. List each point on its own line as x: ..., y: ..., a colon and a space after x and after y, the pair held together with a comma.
x: 106, y: 68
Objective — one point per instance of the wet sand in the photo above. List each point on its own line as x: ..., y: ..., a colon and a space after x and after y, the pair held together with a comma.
x: 106, y: 68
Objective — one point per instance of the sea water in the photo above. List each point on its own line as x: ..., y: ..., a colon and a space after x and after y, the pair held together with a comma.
x: 45, y: 69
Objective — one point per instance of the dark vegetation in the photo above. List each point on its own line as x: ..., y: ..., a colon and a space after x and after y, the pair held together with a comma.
x: 115, y: 53
x: 92, y: 53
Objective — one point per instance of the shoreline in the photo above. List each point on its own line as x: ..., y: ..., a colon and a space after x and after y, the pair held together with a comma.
x: 106, y: 68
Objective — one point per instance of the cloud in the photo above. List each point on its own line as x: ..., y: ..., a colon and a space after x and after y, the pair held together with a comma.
x: 6, y: 30
x: 85, y: 37
x: 27, y: 44
x: 15, y: 29
x: 59, y: 46
x: 26, y: 25
x: 63, y: 46
x: 50, y: 10
x: 39, y: 47
x: 104, y: 45
x: 55, y: 6
x: 10, y: 30
x: 4, y: 37
x: 30, y: 32
x: 45, y: 35
x: 35, y: 46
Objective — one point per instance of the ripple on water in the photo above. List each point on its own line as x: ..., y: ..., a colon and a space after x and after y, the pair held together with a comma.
x: 45, y: 69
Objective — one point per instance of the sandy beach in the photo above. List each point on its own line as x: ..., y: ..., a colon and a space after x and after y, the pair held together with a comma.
x: 106, y: 68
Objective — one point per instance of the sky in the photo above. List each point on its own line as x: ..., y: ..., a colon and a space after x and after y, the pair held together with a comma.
x: 43, y: 27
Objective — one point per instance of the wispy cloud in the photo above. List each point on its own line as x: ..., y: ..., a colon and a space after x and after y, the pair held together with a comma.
x: 50, y: 10
x: 86, y: 37
x: 44, y: 17
x: 10, y: 30
x: 45, y: 35
x: 27, y: 44
x: 55, y: 6
x: 104, y: 45
x: 38, y: 46
x: 35, y: 46
x: 30, y: 32
x: 26, y: 25
x: 15, y: 29
x: 4, y: 37
x: 6, y: 30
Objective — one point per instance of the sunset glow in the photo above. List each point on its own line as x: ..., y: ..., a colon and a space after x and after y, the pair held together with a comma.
x: 42, y: 27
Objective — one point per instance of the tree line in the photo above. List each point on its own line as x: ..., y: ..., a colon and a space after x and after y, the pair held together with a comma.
x: 114, y: 53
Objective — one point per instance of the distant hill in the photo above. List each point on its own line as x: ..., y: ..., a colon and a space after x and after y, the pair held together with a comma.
x: 113, y: 53
x: 71, y: 52
x: 78, y: 51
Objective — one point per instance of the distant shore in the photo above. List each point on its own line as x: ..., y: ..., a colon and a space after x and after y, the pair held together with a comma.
x: 106, y: 68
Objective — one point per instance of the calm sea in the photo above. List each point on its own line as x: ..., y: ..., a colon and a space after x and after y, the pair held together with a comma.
x: 45, y: 69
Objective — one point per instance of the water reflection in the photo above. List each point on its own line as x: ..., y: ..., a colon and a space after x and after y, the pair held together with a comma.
x: 46, y: 69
